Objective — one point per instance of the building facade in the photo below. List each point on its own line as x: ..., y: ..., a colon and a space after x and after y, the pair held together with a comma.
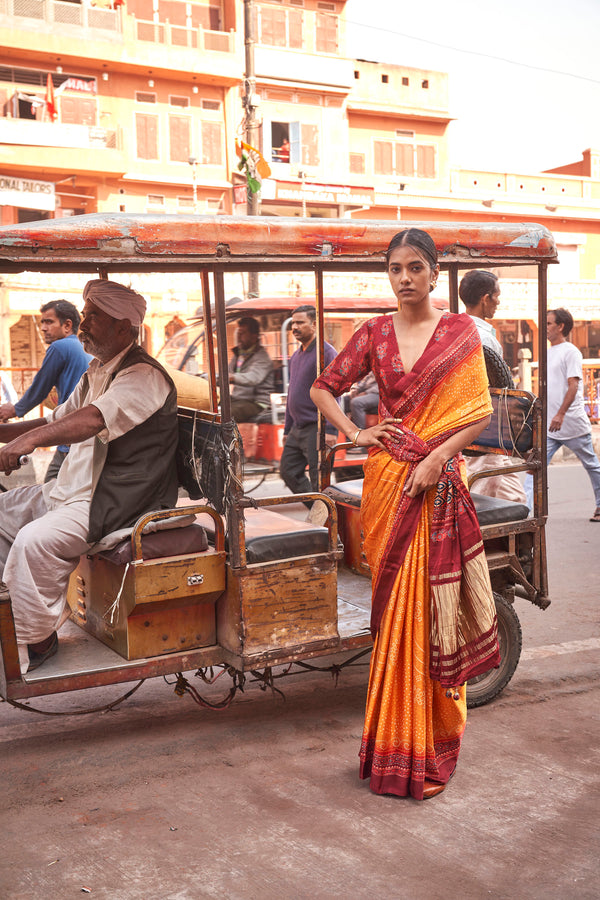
x: 136, y: 107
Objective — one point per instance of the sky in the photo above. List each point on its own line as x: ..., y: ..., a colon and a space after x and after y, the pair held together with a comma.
x: 524, y: 78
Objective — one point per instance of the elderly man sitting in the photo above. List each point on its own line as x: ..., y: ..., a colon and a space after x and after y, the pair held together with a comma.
x: 121, y: 423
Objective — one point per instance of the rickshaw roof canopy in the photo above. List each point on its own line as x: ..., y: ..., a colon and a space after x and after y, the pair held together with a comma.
x: 123, y: 242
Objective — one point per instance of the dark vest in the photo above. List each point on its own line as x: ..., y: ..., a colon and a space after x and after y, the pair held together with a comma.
x: 139, y: 473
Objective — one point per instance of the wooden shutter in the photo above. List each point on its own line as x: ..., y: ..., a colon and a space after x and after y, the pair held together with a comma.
x: 405, y: 164
x: 211, y: 143
x: 295, y: 139
x: 326, y: 33
x: 425, y: 161
x: 172, y: 11
x: 310, y: 145
x: 272, y: 26
x: 357, y: 163
x: 77, y: 110
x: 179, y: 138
x: 295, y: 24
x: 141, y: 9
x: 383, y: 158
x: 146, y: 129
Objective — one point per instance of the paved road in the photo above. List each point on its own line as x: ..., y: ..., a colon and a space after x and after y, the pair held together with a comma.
x: 162, y: 799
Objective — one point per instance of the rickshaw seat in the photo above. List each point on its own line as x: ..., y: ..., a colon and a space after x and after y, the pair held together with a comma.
x: 490, y: 510
x: 494, y: 511
x: 163, y: 602
x: 175, y: 542
x: 271, y: 536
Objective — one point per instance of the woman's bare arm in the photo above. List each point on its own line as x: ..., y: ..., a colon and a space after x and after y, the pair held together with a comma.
x: 367, y: 437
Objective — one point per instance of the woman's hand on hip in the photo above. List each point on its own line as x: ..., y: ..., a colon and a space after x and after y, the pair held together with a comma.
x: 373, y: 436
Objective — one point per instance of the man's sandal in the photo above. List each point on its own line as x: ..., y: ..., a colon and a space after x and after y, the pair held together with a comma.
x: 40, y: 652
x: 596, y: 516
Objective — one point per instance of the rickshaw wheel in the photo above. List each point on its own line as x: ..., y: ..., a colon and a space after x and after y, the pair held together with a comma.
x: 498, y: 373
x: 483, y: 688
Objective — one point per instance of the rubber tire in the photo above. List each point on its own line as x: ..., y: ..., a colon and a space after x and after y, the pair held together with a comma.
x: 498, y: 373
x: 485, y: 687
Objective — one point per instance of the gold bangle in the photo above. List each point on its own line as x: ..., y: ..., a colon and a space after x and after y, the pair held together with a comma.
x: 355, y: 438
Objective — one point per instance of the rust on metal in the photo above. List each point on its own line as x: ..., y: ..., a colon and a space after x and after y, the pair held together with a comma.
x: 120, y: 239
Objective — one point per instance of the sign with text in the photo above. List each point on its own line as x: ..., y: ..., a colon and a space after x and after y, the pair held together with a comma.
x: 26, y: 193
x: 310, y: 192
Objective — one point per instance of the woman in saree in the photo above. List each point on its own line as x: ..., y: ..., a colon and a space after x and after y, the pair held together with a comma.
x: 433, y: 615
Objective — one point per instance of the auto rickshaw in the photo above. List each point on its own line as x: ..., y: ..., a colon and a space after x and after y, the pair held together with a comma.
x: 238, y: 583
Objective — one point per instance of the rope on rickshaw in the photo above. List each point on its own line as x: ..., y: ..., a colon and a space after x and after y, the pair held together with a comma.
x: 183, y: 686
x: 77, y: 712
x: 334, y: 669
x: 265, y: 679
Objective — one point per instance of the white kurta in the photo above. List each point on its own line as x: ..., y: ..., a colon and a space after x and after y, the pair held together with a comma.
x: 43, y: 528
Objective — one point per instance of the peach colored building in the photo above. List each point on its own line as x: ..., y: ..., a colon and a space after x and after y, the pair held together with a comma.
x: 147, y: 106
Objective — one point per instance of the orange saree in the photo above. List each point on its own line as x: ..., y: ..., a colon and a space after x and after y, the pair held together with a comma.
x: 433, y: 615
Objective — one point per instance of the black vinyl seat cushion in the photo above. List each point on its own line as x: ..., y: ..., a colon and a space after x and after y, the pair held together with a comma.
x: 271, y: 536
x: 490, y: 510
x: 347, y: 492
x: 174, y: 542
x: 493, y: 511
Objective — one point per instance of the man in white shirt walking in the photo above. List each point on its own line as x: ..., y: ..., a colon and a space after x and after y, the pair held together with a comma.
x: 568, y: 423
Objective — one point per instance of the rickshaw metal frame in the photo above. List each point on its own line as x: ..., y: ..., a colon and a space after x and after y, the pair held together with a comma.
x: 212, y: 246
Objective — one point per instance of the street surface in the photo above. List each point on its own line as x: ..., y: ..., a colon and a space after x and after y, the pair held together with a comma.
x: 162, y: 799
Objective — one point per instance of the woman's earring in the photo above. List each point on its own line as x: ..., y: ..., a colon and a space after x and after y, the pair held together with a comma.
x: 433, y: 285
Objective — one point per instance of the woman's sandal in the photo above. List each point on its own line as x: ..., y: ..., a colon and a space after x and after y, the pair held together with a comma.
x: 432, y: 790
x: 596, y: 516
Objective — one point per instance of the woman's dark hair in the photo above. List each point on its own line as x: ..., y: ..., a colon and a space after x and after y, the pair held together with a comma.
x: 414, y: 237
x: 563, y: 317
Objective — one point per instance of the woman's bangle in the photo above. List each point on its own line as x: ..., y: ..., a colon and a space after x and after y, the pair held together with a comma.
x: 355, y: 438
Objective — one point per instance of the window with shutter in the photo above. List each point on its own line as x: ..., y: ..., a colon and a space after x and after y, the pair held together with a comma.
x: 425, y: 161
x: 211, y: 143
x: 179, y: 139
x: 272, y: 26
x: 146, y: 130
x: 295, y: 25
x: 383, y: 162
x: 310, y: 145
x: 78, y: 110
x: 172, y: 11
x: 405, y: 159
x: 326, y: 33
x: 357, y: 163
x: 141, y: 9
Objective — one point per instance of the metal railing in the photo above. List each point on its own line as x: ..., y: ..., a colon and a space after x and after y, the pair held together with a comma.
x: 58, y: 134
x: 179, y: 36
x: 21, y: 377
x: 63, y: 13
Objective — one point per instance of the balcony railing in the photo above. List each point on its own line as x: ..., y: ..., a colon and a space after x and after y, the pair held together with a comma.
x: 54, y: 134
x: 178, y: 36
x: 58, y: 12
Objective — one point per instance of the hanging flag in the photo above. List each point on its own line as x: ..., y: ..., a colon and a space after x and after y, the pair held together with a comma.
x: 253, y: 164
x: 50, y: 103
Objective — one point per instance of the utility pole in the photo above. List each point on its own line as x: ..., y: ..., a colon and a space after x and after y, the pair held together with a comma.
x: 250, y: 106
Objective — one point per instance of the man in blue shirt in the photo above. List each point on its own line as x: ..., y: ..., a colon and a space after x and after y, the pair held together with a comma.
x: 64, y: 364
x: 300, y: 431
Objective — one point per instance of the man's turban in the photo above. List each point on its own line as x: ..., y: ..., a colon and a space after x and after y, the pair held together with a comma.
x: 116, y: 300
